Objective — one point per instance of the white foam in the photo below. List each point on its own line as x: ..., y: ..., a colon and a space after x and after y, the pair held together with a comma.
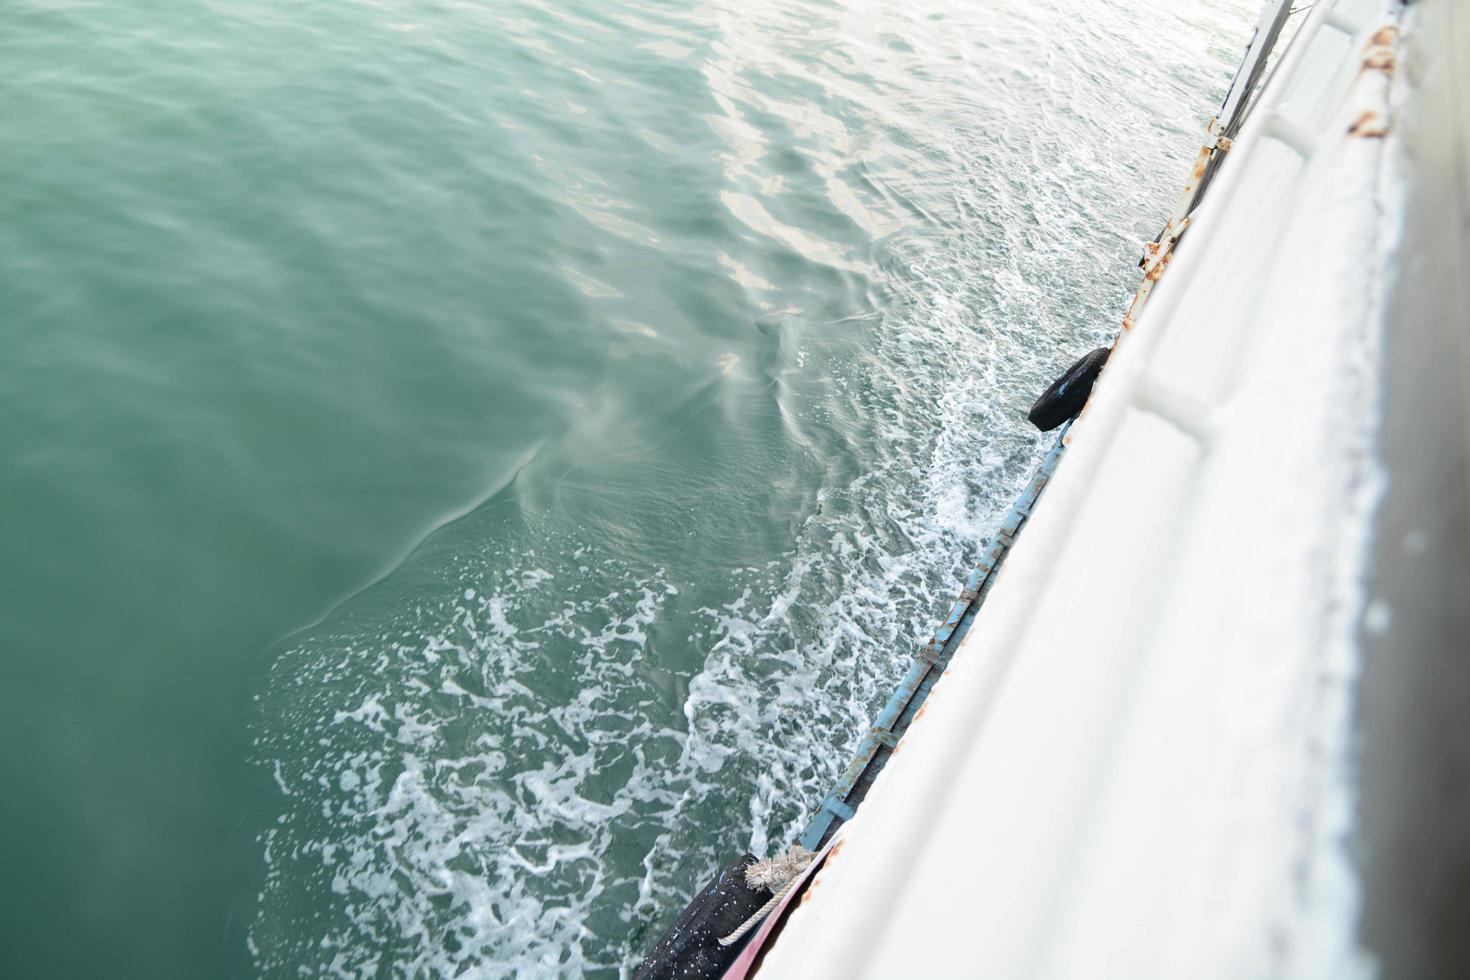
x: 512, y: 779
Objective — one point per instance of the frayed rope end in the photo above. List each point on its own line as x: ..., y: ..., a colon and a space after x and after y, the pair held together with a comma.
x: 771, y: 873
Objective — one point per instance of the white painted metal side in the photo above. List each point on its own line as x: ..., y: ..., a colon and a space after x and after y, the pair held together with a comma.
x: 1135, y: 765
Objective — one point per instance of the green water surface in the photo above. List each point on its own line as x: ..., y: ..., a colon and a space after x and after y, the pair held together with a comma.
x: 469, y: 468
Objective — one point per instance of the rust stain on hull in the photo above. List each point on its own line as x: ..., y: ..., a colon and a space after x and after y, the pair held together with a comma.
x: 1370, y: 125
x: 811, y: 886
x: 1382, y: 53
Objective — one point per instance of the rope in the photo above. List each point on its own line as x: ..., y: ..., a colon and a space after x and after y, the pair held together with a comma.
x: 780, y: 874
x: 764, y: 911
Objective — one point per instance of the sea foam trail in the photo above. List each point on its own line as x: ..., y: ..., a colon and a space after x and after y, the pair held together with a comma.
x: 523, y: 750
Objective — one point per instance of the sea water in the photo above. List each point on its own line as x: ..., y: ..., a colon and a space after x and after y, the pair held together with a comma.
x: 472, y: 467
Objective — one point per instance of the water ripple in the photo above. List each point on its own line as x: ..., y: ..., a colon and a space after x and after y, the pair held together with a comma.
x: 643, y: 374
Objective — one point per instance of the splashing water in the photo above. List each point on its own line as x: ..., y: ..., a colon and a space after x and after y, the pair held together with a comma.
x: 524, y: 749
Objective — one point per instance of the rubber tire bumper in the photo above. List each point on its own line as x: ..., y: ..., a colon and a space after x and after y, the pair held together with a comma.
x: 1069, y: 393
x: 691, y: 949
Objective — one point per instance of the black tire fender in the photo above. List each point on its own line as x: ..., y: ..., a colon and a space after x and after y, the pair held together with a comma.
x: 691, y: 949
x: 1069, y: 393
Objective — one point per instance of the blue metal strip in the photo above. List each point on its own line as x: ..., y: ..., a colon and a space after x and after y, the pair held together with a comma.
x: 931, y: 659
